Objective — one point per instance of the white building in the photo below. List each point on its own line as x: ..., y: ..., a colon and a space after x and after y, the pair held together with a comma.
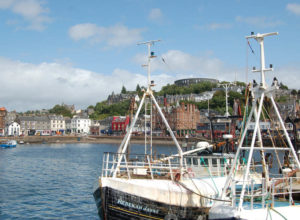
x: 80, y: 125
x: 68, y: 125
x: 57, y: 124
x: 13, y: 129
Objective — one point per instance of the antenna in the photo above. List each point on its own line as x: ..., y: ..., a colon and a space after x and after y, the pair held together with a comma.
x: 226, y: 85
x: 260, y: 39
x: 150, y: 55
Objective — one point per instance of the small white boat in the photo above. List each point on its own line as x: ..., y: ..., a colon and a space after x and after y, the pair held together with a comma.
x: 9, y: 144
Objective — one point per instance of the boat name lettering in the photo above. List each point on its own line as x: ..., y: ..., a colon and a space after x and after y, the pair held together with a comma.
x: 136, y: 206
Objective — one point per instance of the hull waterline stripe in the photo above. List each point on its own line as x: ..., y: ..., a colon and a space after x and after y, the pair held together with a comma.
x: 135, y: 213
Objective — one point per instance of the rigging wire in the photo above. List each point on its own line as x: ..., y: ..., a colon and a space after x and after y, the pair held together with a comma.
x: 271, y: 137
x: 206, y: 197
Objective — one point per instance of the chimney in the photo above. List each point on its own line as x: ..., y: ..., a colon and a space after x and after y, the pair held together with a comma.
x: 182, y: 105
x: 165, y: 100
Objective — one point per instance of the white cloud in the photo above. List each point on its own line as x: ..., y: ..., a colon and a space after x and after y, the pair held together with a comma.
x: 36, y: 86
x: 178, y: 62
x: 114, y: 36
x: 294, y: 8
x: 83, y: 31
x: 32, y: 11
x: 155, y: 15
x: 259, y: 21
x: 28, y: 86
x: 288, y: 75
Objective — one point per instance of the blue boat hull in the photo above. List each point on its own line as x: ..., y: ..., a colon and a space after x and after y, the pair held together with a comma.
x: 7, y: 146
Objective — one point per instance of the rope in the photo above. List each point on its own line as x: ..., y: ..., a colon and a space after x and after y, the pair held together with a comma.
x: 278, y: 213
x: 281, y: 138
x: 271, y: 138
x: 206, y: 197
x: 269, y: 213
x: 206, y: 166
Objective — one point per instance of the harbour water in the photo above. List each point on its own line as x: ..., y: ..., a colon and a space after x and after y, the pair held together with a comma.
x: 53, y: 181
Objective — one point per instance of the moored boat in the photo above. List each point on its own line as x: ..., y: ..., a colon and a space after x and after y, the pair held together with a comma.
x: 9, y: 144
x: 275, y: 197
x: 181, y: 186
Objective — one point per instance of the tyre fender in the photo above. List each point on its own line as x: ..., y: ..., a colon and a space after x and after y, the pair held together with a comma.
x: 170, y: 217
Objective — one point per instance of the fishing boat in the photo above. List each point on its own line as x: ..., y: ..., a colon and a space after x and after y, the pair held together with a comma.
x: 9, y: 144
x: 180, y: 186
x: 274, y: 197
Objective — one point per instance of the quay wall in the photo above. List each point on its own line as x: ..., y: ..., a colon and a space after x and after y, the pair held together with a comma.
x: 92, y: 139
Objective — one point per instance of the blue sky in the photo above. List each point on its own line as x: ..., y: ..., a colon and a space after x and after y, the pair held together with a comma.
x: 78, y: 52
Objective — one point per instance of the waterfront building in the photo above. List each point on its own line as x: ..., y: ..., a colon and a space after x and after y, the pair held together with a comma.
x: 57, y: 124
x: 120, y: 123
x: 13, y: 129
x: 10, y: 117
x: 80, y: 124
x: 68, y: 125
x: 105, y: 124
x: 182, y: 119
x: 95, y: 127
x: 3, y: 113
x: 34, y: 125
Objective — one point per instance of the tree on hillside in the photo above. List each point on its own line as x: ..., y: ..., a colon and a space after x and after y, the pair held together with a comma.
x: 123, y: 91
x: 61, y: 110
x: 103, y: 109
x: 194, y: 88
x: 282, y: 86
x: 294, y: 92
x: 138, y: 88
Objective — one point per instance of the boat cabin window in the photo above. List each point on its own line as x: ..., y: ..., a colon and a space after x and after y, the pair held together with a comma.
x: 189, y: 161
x: 214, y: 162
x: 195, y: 161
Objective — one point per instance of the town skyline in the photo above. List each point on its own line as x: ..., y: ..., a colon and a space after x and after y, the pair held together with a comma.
x: 78, y: 53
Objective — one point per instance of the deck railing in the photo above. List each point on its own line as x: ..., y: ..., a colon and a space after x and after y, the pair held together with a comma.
x: 145, y: 166
x: 259, y: 194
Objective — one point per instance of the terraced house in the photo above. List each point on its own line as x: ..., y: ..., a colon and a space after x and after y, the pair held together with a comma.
x: 34, y: 125
x: 57, y: 124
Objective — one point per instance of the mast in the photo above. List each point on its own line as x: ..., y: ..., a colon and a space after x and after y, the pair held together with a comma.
x: 148, y: 118
x: 260, y: 39
x: 148, y: 93
x: 258, y: 94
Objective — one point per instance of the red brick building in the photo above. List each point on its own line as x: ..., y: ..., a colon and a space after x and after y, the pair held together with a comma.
x: 95, y: 130
x: 182, y: 119
x: 3, y: 113
x: 120, y: 123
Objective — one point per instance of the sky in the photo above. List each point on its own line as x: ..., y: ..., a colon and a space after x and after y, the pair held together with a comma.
x: 78, y: 52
